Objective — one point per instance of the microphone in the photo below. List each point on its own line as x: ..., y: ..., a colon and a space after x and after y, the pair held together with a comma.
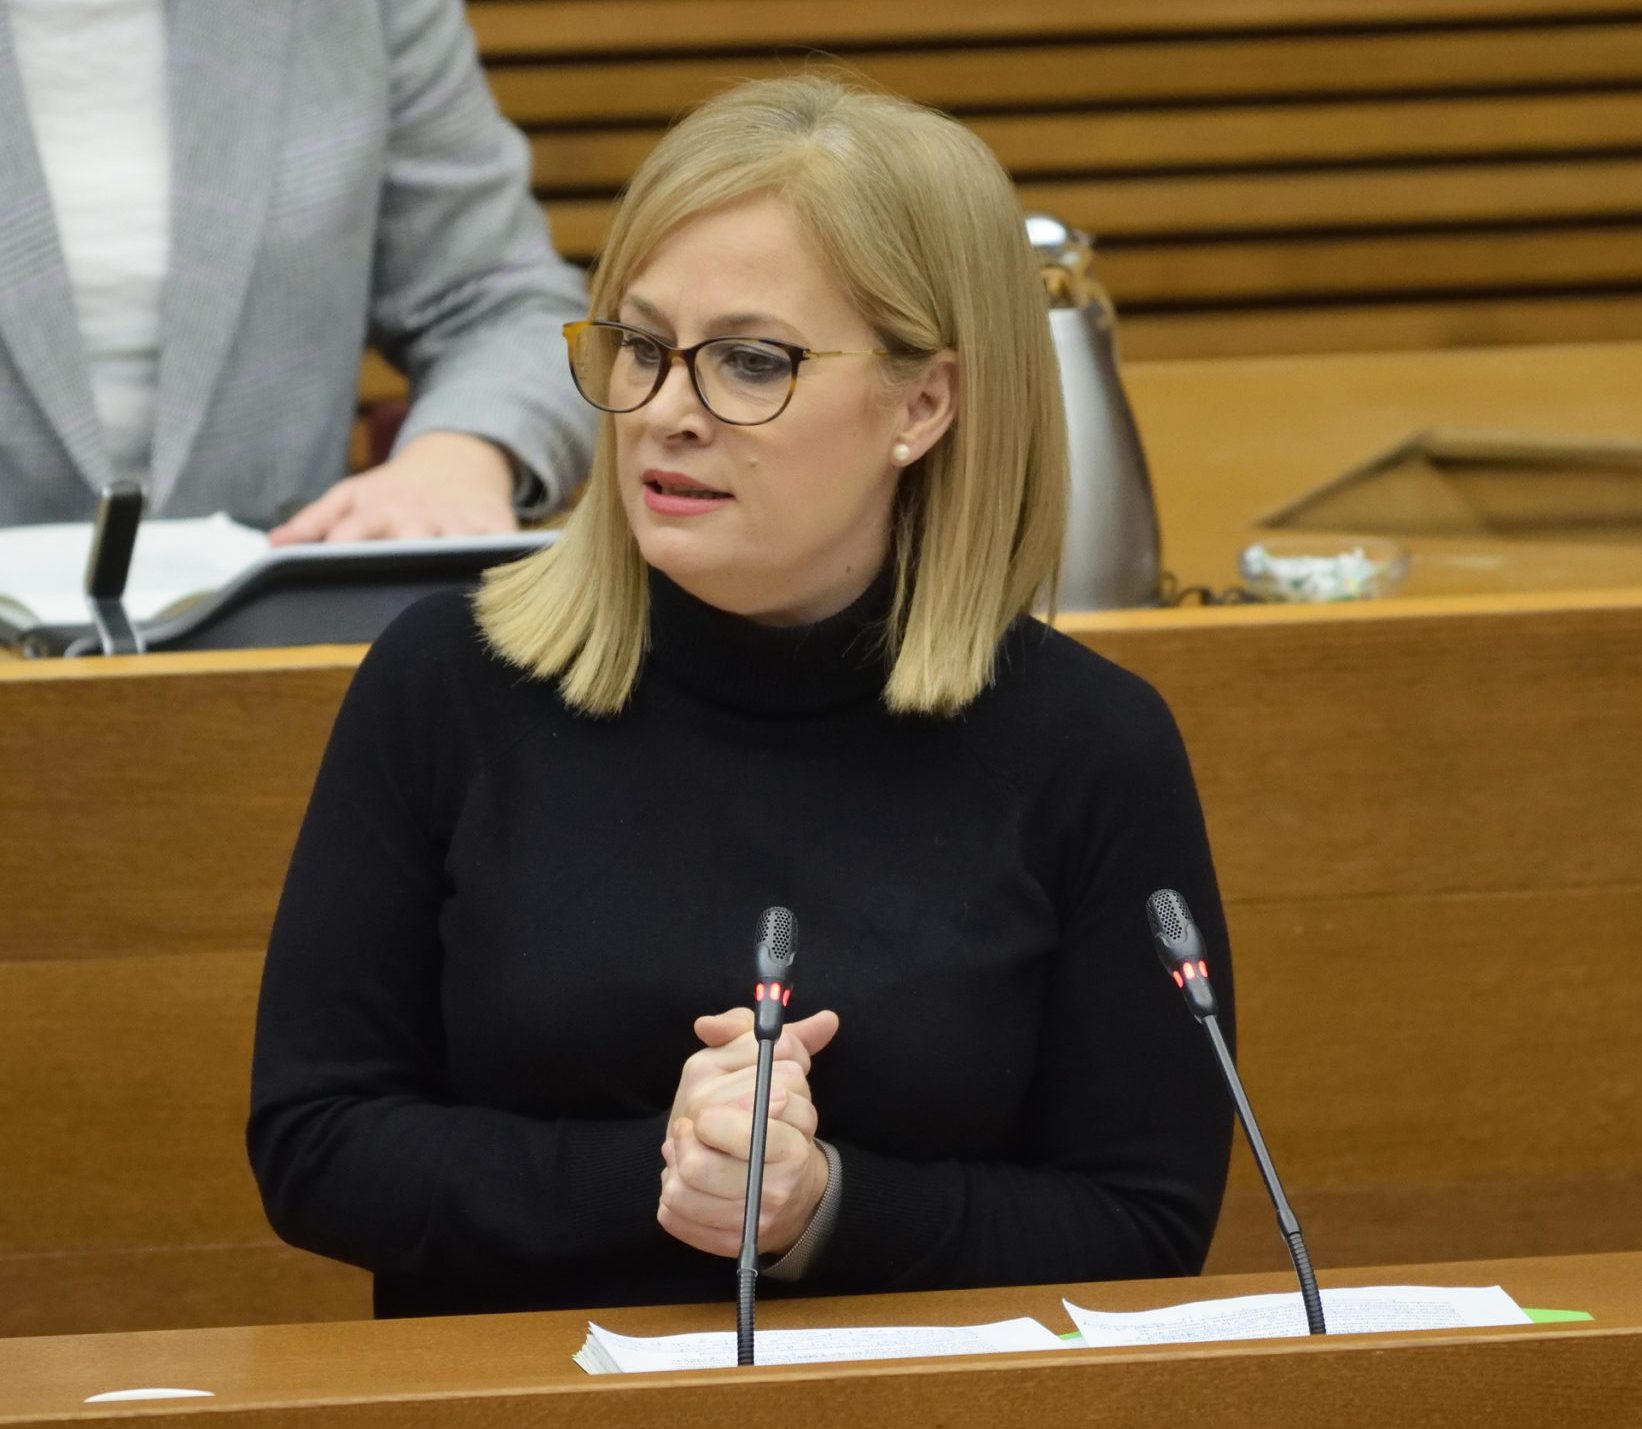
x: 1180, y: 949
x: 113, y: 539
x: 777, y: 937
x: 777, y: 946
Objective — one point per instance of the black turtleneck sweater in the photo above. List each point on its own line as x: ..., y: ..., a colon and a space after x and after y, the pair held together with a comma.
x: 502, y: 917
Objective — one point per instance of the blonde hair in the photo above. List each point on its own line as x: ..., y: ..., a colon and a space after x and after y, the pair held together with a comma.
x: 920, y: 225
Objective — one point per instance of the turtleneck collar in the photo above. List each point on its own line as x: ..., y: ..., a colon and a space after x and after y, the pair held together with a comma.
x: 771, y: 669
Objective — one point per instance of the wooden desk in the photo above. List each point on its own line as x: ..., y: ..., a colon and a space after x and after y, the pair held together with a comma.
x: 516, y: 1369
x: 1233, y: 439
x: 1420, y: 810
x: 148, y: 809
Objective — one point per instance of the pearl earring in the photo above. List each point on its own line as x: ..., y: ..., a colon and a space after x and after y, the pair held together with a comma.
x: 901, y: 453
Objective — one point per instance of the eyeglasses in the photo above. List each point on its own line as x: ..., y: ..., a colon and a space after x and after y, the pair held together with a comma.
x: 745, y: 381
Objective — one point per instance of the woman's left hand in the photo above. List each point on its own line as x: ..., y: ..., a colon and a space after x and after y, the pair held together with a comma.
x: 704, y: 1181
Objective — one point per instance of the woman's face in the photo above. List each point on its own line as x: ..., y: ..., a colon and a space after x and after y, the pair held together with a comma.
x: 798, y: 521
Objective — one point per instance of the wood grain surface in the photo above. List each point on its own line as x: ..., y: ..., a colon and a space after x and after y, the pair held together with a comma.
x: 516, y: 1369
x: 531, y: 27
x: 1230, y: 441
x: 1266, y: 168
x: 1216, y: 66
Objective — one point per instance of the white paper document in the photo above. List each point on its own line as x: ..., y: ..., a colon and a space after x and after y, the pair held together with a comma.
x: 1264, y: 1317
x: 42, y: 568
x: 608, y: 1353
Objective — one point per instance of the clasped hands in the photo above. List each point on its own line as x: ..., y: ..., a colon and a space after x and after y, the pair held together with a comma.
x: 709, y: 1137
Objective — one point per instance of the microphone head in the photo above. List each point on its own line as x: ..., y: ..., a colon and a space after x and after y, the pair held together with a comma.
x: 1179, y: 948
x: 1174, y: 934
x: 777, y: 945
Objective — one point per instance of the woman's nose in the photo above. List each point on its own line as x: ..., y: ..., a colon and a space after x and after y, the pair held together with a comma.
x: 676, y: 400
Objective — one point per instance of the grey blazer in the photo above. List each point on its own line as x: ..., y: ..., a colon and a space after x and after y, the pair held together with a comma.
x: 340, y: 175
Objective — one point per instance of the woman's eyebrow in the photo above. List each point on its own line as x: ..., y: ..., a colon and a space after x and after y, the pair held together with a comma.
x: 649, y: 311
x: 731, y: 321
x: 724, y: 323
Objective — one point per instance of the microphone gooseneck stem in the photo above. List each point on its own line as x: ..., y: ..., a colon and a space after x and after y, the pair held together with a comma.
x: 746, y: 1273
x: 1287, y: 1222
x: 746, y: 1295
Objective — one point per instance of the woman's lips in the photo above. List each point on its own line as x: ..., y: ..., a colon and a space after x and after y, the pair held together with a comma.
x: 672, y: 493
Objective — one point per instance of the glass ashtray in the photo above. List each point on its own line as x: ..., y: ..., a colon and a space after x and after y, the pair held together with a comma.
x: 1294, y: 567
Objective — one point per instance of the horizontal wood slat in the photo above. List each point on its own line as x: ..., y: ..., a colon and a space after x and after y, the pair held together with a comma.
x: 1297, y: 203
x: 1363, y: 199
x: 1281, y: 269
x: 1440, y: 1134
x: 167, y: 1287
x: 1319, y: 133
x: 378, y: 382
x: 1416, y: 730
x: 1371, y: 266
x: 1051, y: 75
x: 1382, y: 327
x: 1397, y: 963
x: 1358, y: 1225
x: 107, y: 816
x: 542, y: 27
x: 107, y: 1043
x: 1209, y: 139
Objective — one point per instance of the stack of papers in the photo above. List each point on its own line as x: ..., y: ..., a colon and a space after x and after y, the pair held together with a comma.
x: 609, y: 1353
x: 1245, y: 1317
x: 1377, y: 1308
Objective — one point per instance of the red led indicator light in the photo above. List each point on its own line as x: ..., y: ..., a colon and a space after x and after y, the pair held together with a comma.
x: 1191, y: 972
x: 786, y: 996
x: 1203, y: 968
x: 1178, y: 980
x: 758, y: 993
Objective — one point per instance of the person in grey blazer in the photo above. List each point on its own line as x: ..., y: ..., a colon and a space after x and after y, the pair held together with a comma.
x: 338, y: 175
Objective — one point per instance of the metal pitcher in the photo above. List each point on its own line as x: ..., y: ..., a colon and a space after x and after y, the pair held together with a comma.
x: 1111, y: 553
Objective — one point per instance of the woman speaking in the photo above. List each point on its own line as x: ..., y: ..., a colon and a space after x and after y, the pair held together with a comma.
x: 782, y: 654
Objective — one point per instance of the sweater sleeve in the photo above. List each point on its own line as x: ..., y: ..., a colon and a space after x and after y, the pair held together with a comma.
x: 468, y: 295
x: 358, y: 1150
x: 1124, y: 1147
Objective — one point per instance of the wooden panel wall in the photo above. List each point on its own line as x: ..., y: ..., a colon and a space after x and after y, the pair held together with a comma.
x: 1426, y: 830
x: 1425, y: 817
x: 148, y: 812
x: 1263, y: 175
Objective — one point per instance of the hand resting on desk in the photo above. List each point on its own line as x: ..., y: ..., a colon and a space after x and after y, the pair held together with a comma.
x: 439, y: 484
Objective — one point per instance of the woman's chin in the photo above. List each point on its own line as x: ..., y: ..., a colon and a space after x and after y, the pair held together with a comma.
x: 703, y: 567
